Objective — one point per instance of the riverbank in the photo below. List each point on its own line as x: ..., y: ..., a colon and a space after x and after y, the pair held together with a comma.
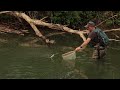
x: 10, y: 33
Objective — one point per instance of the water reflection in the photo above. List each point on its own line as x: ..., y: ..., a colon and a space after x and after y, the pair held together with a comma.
x: 90, y: 69
x: 72, y: 71
x: 46, y: 63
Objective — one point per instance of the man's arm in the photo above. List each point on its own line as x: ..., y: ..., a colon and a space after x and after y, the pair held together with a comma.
x: 85, y: 43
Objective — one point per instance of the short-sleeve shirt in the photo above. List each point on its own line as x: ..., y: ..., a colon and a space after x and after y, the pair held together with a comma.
x: 94, y: 38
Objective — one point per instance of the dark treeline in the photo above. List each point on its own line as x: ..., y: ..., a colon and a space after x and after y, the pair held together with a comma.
x: 77, y: 19
x: 10, y: 23
x: 74, y: 19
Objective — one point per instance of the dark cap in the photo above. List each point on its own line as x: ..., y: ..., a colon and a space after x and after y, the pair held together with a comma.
x: 90, y: 23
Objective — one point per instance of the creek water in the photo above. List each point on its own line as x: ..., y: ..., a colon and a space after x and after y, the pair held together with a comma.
x: 18, y: 62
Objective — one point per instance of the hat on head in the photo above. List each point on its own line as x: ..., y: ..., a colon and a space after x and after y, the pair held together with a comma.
x: 90, y: 23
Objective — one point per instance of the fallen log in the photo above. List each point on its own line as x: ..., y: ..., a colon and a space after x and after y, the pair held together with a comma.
x: 34, y: 22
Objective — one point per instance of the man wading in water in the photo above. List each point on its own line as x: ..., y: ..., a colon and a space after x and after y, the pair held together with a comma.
x: 97, y: 39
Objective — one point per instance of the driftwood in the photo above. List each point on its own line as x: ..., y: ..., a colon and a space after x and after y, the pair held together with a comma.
x: 63, y: 28
x: 34, y: 22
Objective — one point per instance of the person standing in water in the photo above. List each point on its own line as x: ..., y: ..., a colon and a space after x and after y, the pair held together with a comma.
x: 97, y: 39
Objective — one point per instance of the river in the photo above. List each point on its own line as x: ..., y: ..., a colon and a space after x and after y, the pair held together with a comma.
x: 18, y: 62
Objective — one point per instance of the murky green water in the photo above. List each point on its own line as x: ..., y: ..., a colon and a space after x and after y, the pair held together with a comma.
x: 35, y: 63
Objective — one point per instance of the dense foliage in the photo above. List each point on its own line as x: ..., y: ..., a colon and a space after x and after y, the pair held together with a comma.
x: 77, y: 19
x: 73, y: 19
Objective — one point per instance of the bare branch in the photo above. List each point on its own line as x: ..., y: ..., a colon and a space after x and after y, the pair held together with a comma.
x: 114, y: 40
x: 116, y: 35
x: 34, y: 22
x: 106, y: 20
x: 5, y: 12
x: 118, y: 29
x: 43, y: 18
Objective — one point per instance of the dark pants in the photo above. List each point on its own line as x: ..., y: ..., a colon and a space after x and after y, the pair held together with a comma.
x: 99, y: 52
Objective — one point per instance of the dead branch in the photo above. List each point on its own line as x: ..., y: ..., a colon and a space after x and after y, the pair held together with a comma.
x: 106, y: 20
x: 5, y: 12
x: 43, y: 18
x: 114, y: 40
x: 118, y: 29
x: 34, y: 22
x: 116, y: 35
x: 28, y: 19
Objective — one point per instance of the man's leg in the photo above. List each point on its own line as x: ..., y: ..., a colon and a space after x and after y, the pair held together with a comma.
x: 95, y: 54
x: 103, y: 53
x: 98, y: 54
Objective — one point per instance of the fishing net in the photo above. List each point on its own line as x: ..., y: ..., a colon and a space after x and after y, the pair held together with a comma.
x: 69, y: 55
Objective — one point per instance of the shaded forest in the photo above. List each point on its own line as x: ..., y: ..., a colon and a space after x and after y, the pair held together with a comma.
x: 73, y: 19
x: 44, y: 24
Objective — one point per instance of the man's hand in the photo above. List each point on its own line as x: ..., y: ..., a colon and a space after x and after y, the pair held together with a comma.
x: 78, y: 49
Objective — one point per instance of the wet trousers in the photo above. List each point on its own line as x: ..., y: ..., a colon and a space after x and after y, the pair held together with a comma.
x: 99, y: 53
